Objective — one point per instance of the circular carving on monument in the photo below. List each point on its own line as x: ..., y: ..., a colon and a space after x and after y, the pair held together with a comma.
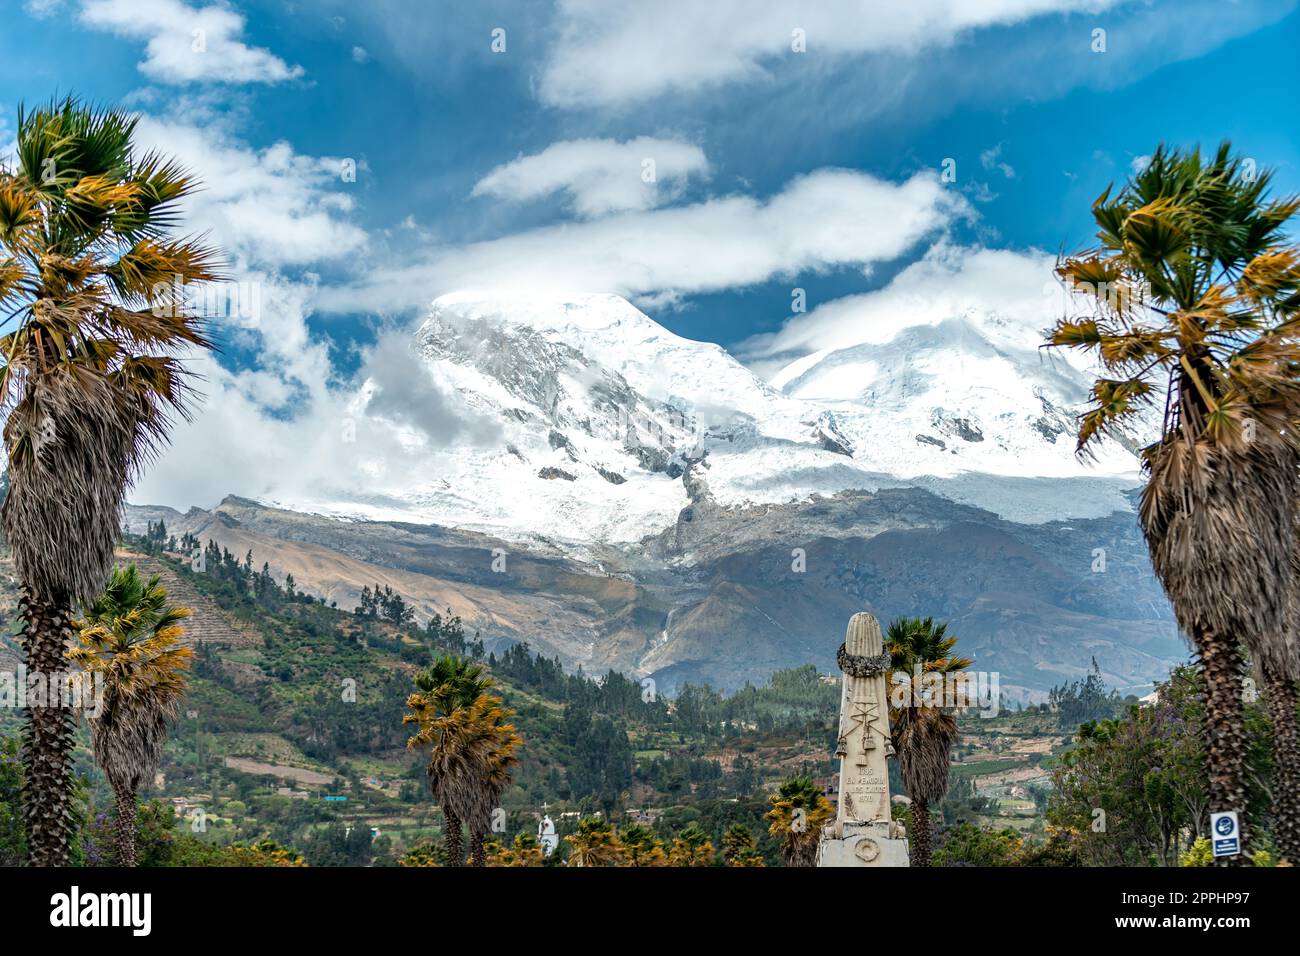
x: 867, y: 850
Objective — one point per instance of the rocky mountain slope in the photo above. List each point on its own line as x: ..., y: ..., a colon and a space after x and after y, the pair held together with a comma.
x: 768, y: 588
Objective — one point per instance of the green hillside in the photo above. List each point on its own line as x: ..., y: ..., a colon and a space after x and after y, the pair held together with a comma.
x: 292, y: 729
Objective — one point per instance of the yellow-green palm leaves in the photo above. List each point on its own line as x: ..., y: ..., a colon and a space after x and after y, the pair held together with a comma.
x: 739, y: 847
x: 524, y: 851
x: 471, y: 742
x: 1191, y: 301
x: 691, y: 847
x: 798, y: 813
x: 595, y: 844
x: 919, y: 643
x: 129, y: 644
x: 641, y: 847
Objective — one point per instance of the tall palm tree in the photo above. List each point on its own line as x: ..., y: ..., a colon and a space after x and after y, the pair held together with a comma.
x: 92, y: 366
x: 799, y: 811
x: 923, y: 731
x: 1193, y: 293
x: 444, y: 693
x: 472, y: 748
x: 595, y: 844
x: 130, y: 639
x: 1285, y: 784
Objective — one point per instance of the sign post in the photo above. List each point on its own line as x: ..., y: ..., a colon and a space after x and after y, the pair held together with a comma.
x: 1226, y: 833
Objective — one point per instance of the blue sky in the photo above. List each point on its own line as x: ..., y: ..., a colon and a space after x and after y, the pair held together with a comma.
x: 775, y: 168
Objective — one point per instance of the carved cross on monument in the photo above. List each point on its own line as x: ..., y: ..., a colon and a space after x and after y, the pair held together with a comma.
x: 863, y: 834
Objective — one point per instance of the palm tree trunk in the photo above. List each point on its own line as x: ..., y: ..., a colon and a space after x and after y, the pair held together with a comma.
x: 1225, y: 742
x: 1282, y: 700
x: 451, y: 838
x: 477, y: 849
x: 920, y: 833
x: 47, y: 787
x: 124, y: 827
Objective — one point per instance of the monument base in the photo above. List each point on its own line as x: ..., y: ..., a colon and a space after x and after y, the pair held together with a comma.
x: 864, y: 844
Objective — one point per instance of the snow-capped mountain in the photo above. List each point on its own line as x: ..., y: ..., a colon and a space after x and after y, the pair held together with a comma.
x: 668, y: 513
x: 605, y: 425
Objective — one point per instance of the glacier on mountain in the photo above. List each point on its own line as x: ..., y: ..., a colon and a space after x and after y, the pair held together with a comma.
x: 608, y: 425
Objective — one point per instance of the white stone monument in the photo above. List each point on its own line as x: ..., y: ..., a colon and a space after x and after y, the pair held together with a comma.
x: 863, y: 834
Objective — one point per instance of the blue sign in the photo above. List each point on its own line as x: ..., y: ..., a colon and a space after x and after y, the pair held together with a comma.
x: 1225, y: 833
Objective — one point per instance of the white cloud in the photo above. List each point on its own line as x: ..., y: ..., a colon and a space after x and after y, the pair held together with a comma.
x: 187, y: 44
x: 275, y: 213
x: 950, y: 281
x: 827, y: 219
x: 281, y: 430
x: 991, y: 159
x: 286, y: 420
x: 360, y: 54
x: 271, y: 211
x: 600, y: 175
x: 272, y: 207
x: 614, y: 51
x: 8, y: 144
x: 42, y: 8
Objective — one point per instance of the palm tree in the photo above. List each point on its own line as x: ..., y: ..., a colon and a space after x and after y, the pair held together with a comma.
x: 439, y: 706
x: 89, y: 282
x: 922, y: 736
x: 1193, y: 294
x: 799, y: 811
x: 472, y: 748
x: 130, y: 639
x: 739, y: 847
x: 692, y: 847
x: 525, y: 851
x: 642, y: 847
x: 595, y: 844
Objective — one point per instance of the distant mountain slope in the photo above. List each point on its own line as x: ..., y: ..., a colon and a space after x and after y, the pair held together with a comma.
x: 718, y: 597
